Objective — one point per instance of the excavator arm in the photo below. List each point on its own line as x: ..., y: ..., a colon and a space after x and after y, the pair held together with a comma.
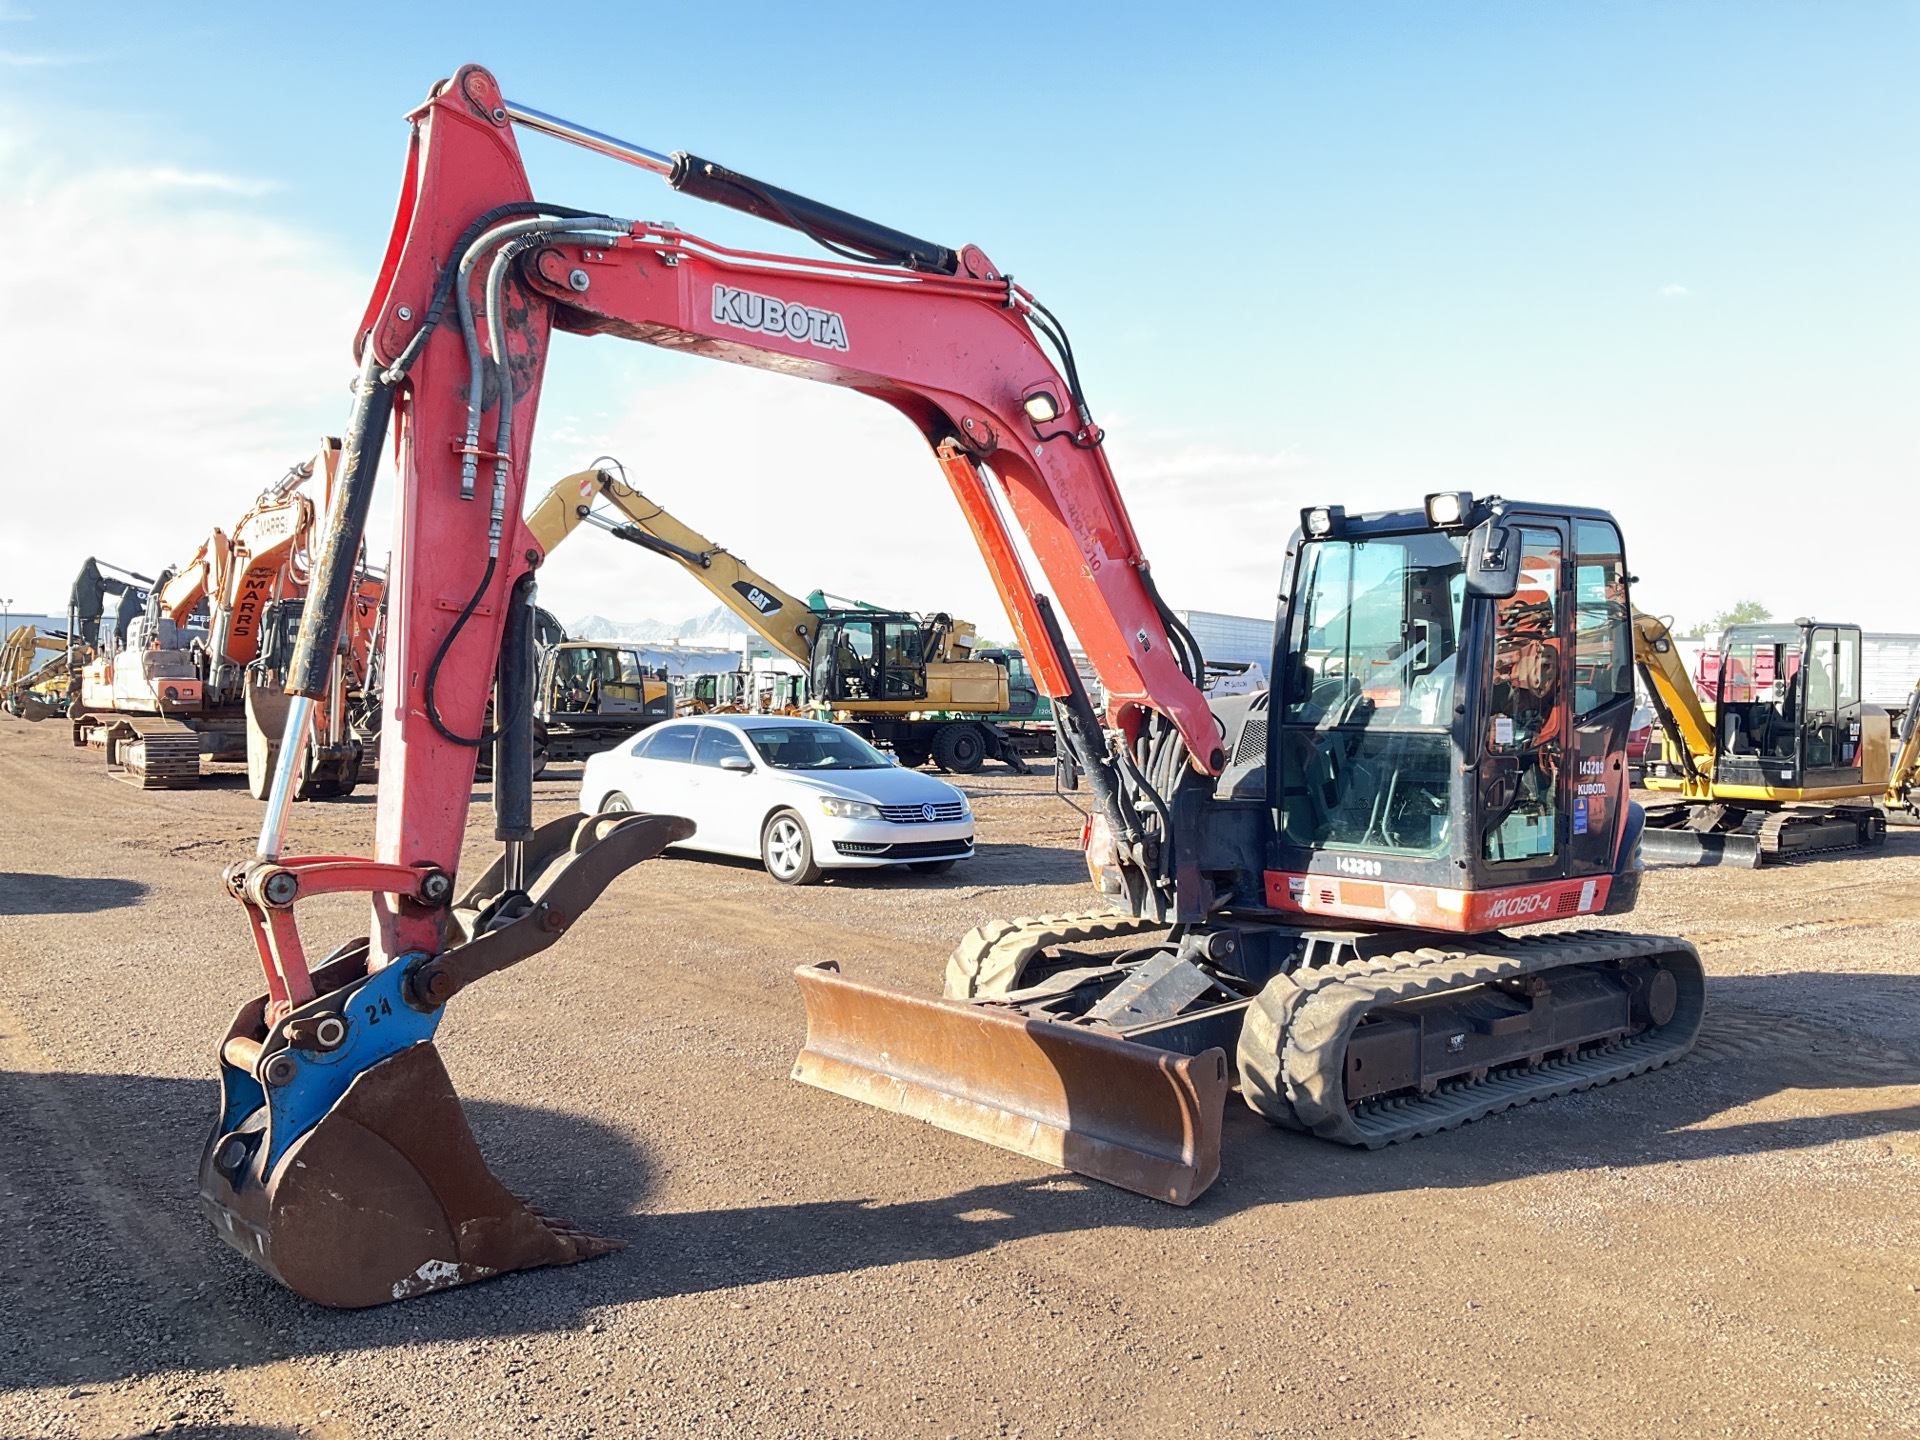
x: 191, y: 583
x: 341, y: 1161
x: 1682, y: 716
x: 781, y: 620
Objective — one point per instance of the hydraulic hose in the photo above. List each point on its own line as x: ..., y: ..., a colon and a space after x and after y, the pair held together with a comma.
x: 1076, y: 723
x: 517, y: 237
x: 332, y: 583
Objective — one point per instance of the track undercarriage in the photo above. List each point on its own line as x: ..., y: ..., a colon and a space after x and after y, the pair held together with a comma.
x: 1115, y: 1062
x: 1747, y: 837
x: 1363, y: 1038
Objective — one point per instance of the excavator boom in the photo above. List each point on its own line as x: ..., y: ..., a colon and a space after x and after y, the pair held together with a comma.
x: 782, y: 621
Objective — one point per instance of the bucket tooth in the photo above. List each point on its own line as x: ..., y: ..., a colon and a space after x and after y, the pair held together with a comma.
x: 1145, y: 1120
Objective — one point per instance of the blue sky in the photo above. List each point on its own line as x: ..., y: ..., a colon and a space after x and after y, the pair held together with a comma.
x: 1658, y: 257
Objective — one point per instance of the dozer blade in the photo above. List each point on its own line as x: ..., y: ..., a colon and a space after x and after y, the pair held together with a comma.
x: 1145, y: 1120
x: 1679, y: 846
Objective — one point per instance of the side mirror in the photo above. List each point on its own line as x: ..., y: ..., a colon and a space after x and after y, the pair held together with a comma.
x: 1493, y: 571
x: 739, y: 764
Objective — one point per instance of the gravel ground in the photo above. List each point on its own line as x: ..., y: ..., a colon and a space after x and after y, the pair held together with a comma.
x: 1730, y: 1246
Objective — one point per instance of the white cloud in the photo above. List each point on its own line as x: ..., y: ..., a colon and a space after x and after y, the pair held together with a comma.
x: 26, y: 60
x: 171, y: 348
x: 1675, y: 292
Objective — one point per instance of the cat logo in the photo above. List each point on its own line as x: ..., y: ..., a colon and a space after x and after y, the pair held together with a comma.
x: 757, y: 597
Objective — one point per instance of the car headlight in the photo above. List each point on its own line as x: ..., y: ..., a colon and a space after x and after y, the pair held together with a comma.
x: 849, y: 809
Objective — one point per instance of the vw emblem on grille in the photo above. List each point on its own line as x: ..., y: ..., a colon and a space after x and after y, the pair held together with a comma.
x: 927, y: 812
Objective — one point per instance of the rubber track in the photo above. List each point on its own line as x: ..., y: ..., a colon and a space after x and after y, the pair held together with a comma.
x: 1292, y: 1052
x: 990, y: 958
x: 167, y: 762
x: 1773, y: 830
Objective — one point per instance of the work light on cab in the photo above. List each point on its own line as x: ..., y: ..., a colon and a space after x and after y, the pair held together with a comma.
x: 1449, y: 509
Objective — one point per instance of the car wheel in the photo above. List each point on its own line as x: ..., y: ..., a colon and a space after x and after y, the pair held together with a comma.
x: 960, y: 749
x: 616, y: 803
x: 931, y: 867
x: 787, y: 850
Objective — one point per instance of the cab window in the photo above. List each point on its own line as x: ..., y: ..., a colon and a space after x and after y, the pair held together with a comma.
x: 1603, y: 635
x: 1523, y: 708
x: 1524, y: 702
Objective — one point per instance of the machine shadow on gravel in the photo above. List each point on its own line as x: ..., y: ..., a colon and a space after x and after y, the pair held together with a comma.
x: 125, y: 1239
x: 30, y: 894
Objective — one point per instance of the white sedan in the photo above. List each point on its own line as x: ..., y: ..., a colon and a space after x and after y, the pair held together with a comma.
x: 802, y: 796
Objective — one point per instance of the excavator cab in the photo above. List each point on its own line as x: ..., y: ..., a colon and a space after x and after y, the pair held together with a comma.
x: 1452, y: 711
x: 869, y: 656
x: 1024, y: 700
x: 1787, y: 707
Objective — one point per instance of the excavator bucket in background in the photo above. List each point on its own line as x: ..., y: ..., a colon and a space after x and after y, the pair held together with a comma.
x: 1145, y: 1120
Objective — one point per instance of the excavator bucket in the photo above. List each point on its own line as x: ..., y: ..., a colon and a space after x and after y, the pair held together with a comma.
x: 386, y: 1197
x: 1145, y: 1120
x: 341, y: 1162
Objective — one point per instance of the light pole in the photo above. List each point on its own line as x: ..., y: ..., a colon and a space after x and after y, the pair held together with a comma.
x: 6, y: 612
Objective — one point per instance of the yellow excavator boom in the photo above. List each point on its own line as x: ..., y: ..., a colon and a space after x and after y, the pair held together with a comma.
x: 1682, y: 715
x: 1906, y: 761
x: 782, y: 620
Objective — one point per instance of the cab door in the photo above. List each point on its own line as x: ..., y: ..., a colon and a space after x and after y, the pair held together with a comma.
x: 1524, y: 792
x: 903, y: 660
x: 1831, y: 679
x: 1602, y: 700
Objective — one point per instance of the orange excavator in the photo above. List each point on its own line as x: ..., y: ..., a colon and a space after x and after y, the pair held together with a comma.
x: 1312, y: 888
x: 199, y: 671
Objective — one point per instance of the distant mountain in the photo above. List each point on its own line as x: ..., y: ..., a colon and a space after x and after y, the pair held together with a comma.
x: 717, y: 625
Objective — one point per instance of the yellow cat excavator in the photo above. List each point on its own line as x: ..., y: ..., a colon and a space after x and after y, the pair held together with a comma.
x: 25, y: 682
x: 906, y: 682
x: 1786, y: 760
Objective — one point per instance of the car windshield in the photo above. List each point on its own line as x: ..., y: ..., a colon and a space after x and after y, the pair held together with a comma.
x: 814, y: 747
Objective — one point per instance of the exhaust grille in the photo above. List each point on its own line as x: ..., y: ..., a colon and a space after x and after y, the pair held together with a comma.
x: 1251, y: 747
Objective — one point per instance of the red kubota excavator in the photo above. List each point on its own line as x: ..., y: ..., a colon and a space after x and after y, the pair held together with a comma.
x: 1313, y: 883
